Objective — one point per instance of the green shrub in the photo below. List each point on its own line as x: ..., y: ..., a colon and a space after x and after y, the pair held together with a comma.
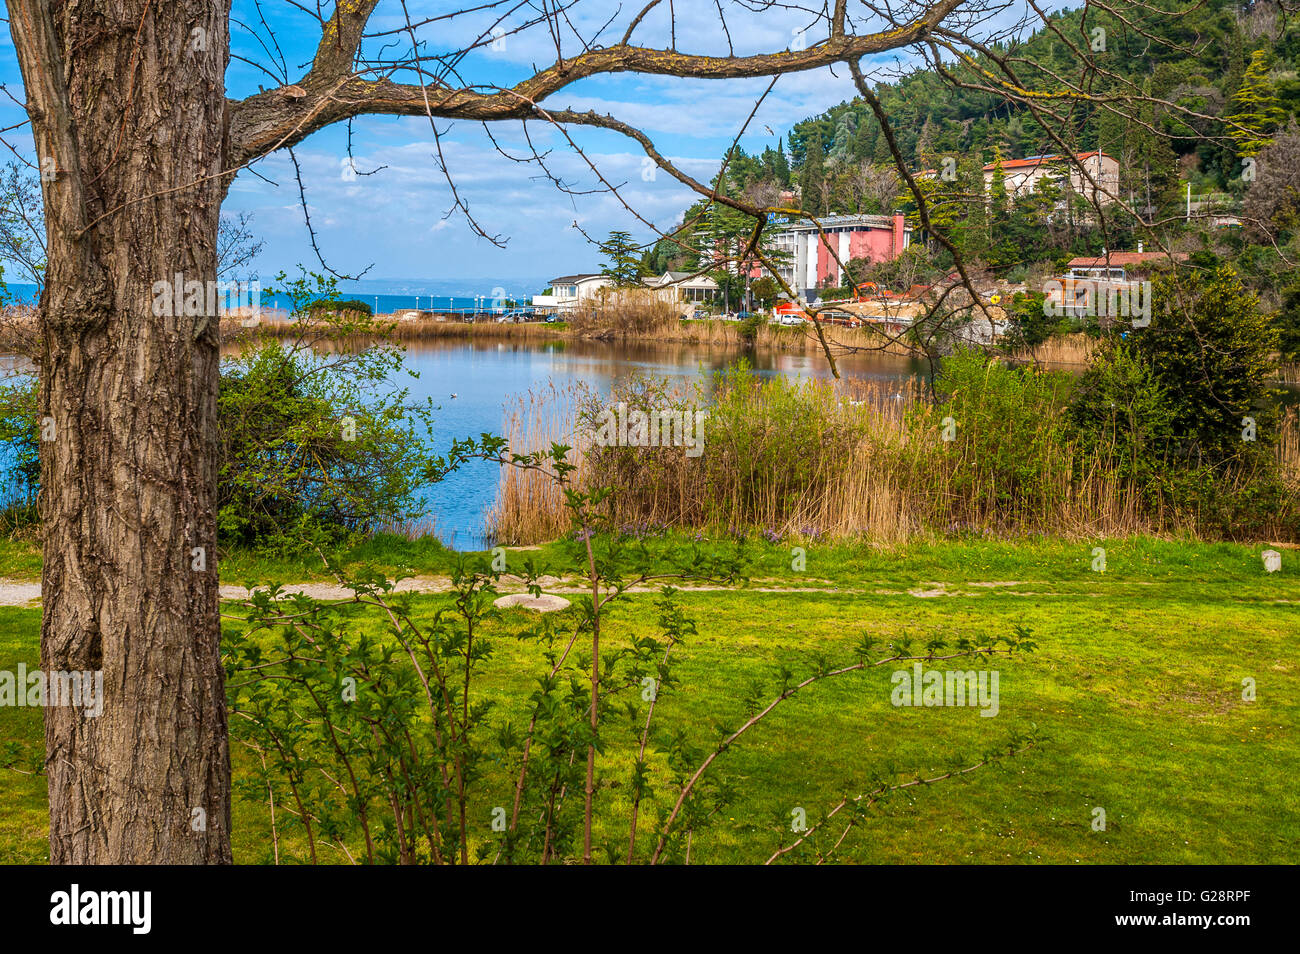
x: 1287, y: 322
x: 20, y: 457
x: 1120, y: 414
x: 1028, y: 325
x: 353, y: 305
x: 1211, y: 350
x: 749, y: 327
x: 1008, y: 459
x: 288, y: 476
x: 314, y: 447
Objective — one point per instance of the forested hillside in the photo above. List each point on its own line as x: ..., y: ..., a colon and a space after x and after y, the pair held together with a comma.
x: 1210, y: 100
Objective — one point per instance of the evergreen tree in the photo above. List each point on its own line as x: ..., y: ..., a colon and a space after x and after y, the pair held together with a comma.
x: 999, y: 201
x: 841, y: 150
x: 812, y: 179
x: 622, y: 259
x: 781, y: 166
x: 1211, y: 350
x: 1255, y: 107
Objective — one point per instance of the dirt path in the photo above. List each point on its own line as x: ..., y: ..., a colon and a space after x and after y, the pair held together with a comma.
x: 18, y: 593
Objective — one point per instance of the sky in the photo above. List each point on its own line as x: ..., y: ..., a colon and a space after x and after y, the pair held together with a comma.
x: 395, y: 223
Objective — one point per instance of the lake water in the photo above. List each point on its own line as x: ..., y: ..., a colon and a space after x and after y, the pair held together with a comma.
x: 487, y: 377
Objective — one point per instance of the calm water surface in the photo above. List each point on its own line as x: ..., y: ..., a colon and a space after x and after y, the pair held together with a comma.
x: 488, y: 377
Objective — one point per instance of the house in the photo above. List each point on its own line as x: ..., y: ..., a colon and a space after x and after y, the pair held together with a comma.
x: 1109, y: 285
x: 688, y: 285
x: 1120, y: 264
x: 568, y: 291
x: 1022, y: 176
x: 811, y: 255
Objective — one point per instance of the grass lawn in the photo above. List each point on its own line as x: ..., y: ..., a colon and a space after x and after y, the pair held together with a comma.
x: 1136, y: 683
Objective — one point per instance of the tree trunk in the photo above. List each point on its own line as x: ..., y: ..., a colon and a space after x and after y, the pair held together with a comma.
x: 128, y: 110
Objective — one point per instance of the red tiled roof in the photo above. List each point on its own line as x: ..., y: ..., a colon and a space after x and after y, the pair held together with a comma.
x: 1021, y: 163
x: 1120, y: 259
x: 1039, y: 160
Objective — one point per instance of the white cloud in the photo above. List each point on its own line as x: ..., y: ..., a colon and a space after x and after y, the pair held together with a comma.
x: 396, y: 218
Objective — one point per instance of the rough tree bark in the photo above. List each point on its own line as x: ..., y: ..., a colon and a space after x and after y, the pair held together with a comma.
x: 128, y: 109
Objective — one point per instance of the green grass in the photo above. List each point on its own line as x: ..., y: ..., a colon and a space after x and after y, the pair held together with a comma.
x: 1067, y: 564
x: 24, y: 823
x: 1137, y: 684
x: 20, y: 559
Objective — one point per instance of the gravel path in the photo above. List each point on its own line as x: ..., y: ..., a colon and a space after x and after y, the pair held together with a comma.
x: 18, y: 593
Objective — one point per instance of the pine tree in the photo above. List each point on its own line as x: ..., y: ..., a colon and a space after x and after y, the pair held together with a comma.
x: 1255, y: 107
x: 812, y: 179
x: 999, y: 202
x: 623, y: 259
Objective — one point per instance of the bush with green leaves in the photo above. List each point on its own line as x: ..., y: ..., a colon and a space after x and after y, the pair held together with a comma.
x: 1184, y: 410
x: 1213, y: 353
x: 20, y: 453
x: 316, y: 441
x: 1028, y: 324
x: 1120, y: 414
x: 1287, y: 322
x: 749, y: 326
x: 353, y: 305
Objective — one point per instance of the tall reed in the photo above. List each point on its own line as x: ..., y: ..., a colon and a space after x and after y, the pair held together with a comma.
x: 529, y: 505
x: 1068, y: 349
x: 852, y: 459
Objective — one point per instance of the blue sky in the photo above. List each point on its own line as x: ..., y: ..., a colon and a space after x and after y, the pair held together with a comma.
x: 395, y: 221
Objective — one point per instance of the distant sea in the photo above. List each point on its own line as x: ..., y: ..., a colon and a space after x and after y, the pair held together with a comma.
x: 388, y: 295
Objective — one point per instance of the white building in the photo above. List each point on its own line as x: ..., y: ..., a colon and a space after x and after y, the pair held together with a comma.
x: 688, y: 285
x: 568, y: 291
x: 1021, y: 176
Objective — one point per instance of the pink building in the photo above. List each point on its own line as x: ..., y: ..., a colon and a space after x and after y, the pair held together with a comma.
x: 815, y: 257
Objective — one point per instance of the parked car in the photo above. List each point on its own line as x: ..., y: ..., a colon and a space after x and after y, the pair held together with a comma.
x: 789, y: 313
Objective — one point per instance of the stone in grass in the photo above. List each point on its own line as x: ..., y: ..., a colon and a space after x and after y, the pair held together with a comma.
x: 542, y: 604
x: 1272, y: 561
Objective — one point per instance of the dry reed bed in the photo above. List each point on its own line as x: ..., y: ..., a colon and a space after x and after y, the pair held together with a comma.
x: 868, y: 463
x: 1075, y: 349
x: 427, y: 328
x: 800, y: 338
